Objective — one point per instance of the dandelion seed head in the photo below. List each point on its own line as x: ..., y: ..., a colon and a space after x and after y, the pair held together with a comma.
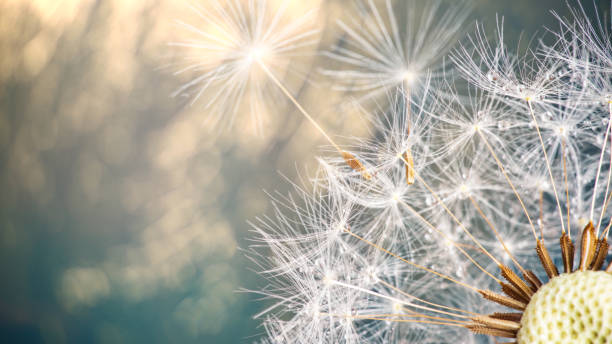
x: 257, y: 53
x: 517, y: 160
x: 563, y: 131
x: 371, y: 273
x: 408, y: 76
x: 464, y: 188
x: 382, y: 53
x: 329, y: 278
x: 398, y: 307
x: 224, y: 51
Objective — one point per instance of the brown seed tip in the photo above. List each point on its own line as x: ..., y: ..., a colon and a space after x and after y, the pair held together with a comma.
x: 587, y: 246
x: 501, y: 324
x: 567, y: 252
x: 601, y: 253
x: 513, y: 292
x: 516, y: 281
x: 533, y: 280
x: 356, y: 165
x: 409, y: 162
x: 503, y: 300
x: 547, y: 263
x: 480, y: 329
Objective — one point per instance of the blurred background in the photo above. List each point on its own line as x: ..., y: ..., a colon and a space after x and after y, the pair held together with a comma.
x: 122, y: 213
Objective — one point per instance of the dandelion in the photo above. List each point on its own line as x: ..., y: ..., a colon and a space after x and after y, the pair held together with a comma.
x: 229, y: 47
x: 314, y: 269
x: 379, y: 55
x: 492, y: 67
x: 501, y: 232
x: 444, y: 223
x: 592, y: 39
x: 243, y: 42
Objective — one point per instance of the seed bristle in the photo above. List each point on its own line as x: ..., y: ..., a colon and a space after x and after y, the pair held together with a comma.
x: 507, y: 316
x: 587, y: 246
x: 547, y: 263
x: 480, y: 329
x: 513, y: 292
x: 601, y: 253
x: 567, y: 252
x: 533, y: 280
x: 503, y: 300
x: 516, y: 281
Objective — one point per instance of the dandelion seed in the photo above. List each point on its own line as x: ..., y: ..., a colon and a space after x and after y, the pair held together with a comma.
x: 379, y: 55
x: 492, y: 68
x: 249, y: 43
x: 593, y: 39
x: 224, y: 49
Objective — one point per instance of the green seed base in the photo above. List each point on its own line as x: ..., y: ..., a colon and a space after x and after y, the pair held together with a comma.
x: 570, y: 308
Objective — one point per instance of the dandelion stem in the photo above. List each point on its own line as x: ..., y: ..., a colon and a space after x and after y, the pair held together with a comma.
x: 604, y: 234
x: 374, y: 317
x: 541, y: 218
x: 349, y: 158
x: 299, y: 106
x: 416, y: 314
x: 408, y: 100
x: 391, y: 316
x: 503, y: 171
x: 567, y: 198
x: 407, y: 155
x: 439, y: 200
x: 405, y: 303
x: 467, y: 255
x: 497, y: 235
x: 603, y: 150
x: 603, y: 208
x: 552, y: 180
x: 429, y: 303
x: 412, y: 263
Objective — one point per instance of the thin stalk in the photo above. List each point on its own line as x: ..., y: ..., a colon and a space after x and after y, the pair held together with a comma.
x: 299, y: 106
x: 567, y: 198
x: 603, y: 208
x: 503, y: 171
x: 603, y: 150
x: 439, y: 200
x: 467, y: 255
x: 368, y: 317
x: 552, y: 180
x: 388, y: 285
x: 497, y: 235
x: 404, y: 303
x: 441, y: 275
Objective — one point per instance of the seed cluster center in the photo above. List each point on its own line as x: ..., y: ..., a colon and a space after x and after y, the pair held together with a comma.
x: 570, y: 308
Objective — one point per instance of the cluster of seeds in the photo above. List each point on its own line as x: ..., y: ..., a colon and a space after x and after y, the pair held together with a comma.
x: 442, y: 219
